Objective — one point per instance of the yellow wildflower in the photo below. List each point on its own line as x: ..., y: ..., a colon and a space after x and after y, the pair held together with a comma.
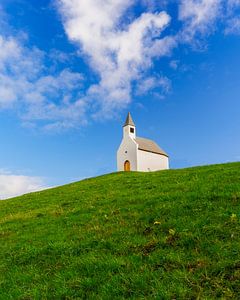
x: 233, y: 217
x: 172, y: 231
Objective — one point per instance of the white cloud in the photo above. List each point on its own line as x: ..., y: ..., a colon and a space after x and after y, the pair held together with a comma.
x: 174, y: 64
x: 161, y: 83
x: 233, y: 3
x: 233, y: 26
x: 119, y: 52
x: 198, y: 16
x: 38, y: 94
x: 15, y: 185
x: 233, y: 18
x: 122, y: 50
x: 119, y: 47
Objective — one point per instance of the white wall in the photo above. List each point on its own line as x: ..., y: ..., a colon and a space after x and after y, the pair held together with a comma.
x: 130, y: 146
x: 127, y: 131
x: 139, y: 160
x: 148, y: 161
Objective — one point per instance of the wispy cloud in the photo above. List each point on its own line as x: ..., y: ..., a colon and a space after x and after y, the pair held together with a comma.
x: 200, y: 17
x: 36, y: 92
x: 14, y: 185
x: 233, y: 19
x: 160, y: 83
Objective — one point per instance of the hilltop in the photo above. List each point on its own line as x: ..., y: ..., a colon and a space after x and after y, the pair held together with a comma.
x: 166, y: 235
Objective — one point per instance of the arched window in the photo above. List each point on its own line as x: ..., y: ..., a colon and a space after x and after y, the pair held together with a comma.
x: 127, y: 166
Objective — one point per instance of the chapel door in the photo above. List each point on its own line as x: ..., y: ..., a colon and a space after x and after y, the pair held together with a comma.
x: 127, y: 166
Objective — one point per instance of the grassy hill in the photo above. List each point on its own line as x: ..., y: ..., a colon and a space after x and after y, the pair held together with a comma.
x: 164, y: 235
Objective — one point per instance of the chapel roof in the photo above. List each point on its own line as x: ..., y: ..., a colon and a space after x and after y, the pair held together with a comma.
x: 129, y: 121
x: 149, y: 146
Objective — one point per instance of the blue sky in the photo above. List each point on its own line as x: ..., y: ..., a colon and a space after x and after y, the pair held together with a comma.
x: 70, y: 70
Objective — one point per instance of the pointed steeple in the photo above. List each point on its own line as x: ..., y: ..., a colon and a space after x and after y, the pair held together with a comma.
x: 129, y: 121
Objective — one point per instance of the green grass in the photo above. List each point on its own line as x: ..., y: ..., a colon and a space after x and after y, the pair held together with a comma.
x: 165, y: 235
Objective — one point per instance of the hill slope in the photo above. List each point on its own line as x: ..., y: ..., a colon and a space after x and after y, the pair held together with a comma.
x: 165, y: 235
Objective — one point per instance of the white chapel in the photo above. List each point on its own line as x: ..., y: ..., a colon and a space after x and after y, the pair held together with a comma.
x: 139, y: 154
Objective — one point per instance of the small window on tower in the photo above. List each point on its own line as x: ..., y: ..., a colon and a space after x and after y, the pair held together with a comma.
x: 131, y: 129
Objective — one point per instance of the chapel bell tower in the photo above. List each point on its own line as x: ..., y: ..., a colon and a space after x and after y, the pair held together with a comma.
x: 129, y: 128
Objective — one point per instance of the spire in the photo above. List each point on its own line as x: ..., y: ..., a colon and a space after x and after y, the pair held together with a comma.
x: 129, y: 121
